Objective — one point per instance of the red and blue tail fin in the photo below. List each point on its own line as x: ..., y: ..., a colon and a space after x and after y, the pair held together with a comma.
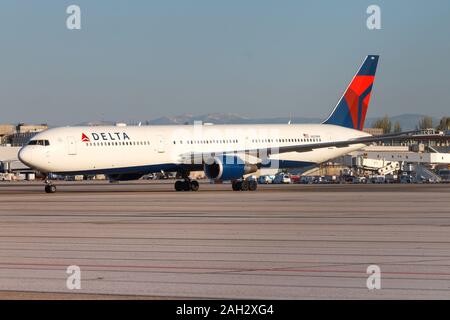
x: 351, y: 109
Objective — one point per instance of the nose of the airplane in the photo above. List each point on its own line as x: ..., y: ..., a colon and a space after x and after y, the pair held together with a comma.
x: 26, y: 156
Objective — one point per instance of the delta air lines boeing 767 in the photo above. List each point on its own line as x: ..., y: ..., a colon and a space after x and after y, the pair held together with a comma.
x: 223, y: 152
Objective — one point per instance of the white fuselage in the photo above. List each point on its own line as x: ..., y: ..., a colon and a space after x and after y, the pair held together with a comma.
x: 145, y: 149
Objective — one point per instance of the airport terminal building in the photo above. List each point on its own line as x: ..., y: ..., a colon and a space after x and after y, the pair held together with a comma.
x: 12, y: 138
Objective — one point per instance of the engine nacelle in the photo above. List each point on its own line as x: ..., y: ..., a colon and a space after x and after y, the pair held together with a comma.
x: 227, y: 168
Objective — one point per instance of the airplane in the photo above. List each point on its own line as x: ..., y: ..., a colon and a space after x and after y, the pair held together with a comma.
x: 223, y: 152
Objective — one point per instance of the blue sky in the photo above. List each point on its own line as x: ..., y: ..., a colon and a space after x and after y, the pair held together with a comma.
x: 138, y: 60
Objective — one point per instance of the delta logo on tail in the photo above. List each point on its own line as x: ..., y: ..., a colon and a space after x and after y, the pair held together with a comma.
x: 84, y: 138
x: 352, y: 108
x: 357, y: 98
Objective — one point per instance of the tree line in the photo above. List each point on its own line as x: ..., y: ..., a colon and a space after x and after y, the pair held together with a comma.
x: 426, y: 122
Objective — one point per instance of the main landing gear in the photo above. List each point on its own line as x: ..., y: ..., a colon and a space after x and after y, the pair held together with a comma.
x: 186, y: 185
x: 49, y: 187
x: 244, y: 185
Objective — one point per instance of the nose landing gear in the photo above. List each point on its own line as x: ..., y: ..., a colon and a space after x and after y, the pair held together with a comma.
x: 49, y: 187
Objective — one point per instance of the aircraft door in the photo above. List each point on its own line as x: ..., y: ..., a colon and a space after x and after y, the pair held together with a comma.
x: 161, y: 144
x: 71, y: 146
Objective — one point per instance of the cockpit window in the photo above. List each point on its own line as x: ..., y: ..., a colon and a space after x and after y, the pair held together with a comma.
x: 39, y: 143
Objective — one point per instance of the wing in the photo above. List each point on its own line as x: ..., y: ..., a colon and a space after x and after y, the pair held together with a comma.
x: 346, y: 143
x: 201, y: 157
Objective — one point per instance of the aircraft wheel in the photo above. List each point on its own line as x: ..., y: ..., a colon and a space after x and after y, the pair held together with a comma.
x: 50, y: 188
x: 186, y: 185
x: 179, y: 185
x: 252, y: 185
x: 236, y: 185
x: 244, y: 185
x: 194, y: 185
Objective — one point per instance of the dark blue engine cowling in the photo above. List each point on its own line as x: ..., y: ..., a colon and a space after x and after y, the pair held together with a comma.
x: 227, y: 168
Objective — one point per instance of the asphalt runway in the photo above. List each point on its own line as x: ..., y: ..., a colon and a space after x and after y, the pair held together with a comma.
x: 144, y: 240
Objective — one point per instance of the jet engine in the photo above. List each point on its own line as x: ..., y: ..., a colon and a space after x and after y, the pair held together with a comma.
x: 227, y: 168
